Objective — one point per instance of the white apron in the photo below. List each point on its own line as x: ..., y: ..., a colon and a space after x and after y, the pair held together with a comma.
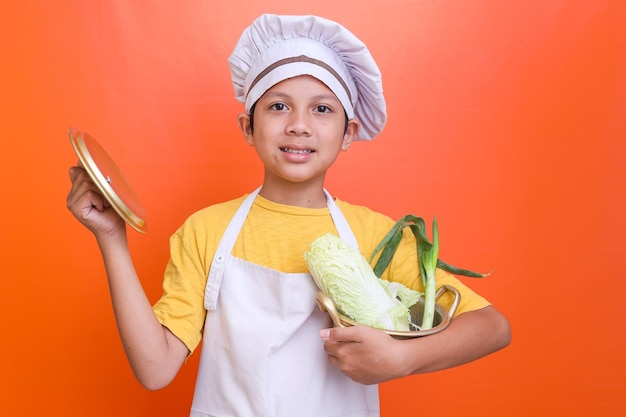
x: 261, y: 353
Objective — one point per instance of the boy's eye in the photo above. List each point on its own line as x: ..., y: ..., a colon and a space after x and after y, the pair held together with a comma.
x: 322, y: 109
x: 278, y: 106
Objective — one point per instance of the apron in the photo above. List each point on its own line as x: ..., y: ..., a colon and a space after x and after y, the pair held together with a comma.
x: 261, y: 353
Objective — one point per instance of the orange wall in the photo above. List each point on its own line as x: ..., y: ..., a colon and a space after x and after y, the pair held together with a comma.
x: 507, y: 120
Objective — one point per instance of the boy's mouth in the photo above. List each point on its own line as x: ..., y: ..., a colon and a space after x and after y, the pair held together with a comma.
x: 297, y: 151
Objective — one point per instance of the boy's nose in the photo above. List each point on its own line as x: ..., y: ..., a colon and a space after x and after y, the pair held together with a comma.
x: 299, y: 124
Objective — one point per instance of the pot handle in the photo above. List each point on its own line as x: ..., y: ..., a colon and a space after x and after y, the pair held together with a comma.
x: 457, y: 298
x: 325, y: 304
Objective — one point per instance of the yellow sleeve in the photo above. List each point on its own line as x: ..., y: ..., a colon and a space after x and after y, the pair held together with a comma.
x: 469, y: 299
x: 181, y: 307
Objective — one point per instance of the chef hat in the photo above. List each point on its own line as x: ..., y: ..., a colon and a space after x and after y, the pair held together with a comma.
x: 275, y: 48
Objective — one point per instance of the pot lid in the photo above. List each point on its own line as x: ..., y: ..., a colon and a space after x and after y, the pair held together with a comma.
x: 109, y: 179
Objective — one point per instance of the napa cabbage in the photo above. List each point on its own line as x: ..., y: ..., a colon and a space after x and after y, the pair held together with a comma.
x: 345, y: 276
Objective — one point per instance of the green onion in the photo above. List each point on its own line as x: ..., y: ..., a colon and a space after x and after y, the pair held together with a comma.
x: 427, y: 257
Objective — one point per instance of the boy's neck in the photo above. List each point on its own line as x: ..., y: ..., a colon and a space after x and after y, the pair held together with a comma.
x: 295, y: 195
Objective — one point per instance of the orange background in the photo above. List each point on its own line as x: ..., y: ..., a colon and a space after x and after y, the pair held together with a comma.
x: 507, y: 120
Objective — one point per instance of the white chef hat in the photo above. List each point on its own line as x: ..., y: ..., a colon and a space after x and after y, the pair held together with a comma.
x: 274, y: 48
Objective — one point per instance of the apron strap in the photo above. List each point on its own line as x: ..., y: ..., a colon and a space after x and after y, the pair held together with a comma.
x: 343, y: 228
x: 224, y: 249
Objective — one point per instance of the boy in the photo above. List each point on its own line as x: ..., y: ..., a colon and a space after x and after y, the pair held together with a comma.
x: 237, y: 277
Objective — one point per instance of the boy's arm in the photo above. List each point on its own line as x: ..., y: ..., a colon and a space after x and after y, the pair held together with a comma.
x: 370, y: 356
x: 154, y: 353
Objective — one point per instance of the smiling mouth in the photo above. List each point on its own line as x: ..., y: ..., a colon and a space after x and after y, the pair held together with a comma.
x: 297, y: 151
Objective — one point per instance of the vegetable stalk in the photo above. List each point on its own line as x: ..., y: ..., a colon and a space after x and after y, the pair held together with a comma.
x: 428, y: 253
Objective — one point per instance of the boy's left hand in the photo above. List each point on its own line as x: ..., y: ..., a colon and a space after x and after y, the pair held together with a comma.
x: 365, y: 354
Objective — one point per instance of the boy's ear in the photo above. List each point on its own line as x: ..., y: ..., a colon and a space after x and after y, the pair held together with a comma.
x: 243, y: 120
x: 351, y: 131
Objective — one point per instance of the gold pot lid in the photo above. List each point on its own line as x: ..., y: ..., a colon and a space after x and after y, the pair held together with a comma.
x: 109, y: 179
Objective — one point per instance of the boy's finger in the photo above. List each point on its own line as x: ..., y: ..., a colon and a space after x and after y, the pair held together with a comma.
x: 341, y: 334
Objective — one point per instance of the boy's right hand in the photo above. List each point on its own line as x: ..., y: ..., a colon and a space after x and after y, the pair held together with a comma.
x: 89, y: 206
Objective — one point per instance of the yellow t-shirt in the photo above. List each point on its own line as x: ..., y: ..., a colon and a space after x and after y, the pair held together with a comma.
x: 275, y: 236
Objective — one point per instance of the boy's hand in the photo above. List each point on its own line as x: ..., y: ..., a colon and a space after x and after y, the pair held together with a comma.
x: 89, y: 206
x: 365, y: 354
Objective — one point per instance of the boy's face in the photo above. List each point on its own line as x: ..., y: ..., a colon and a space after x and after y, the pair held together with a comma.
x: 299, y: 130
